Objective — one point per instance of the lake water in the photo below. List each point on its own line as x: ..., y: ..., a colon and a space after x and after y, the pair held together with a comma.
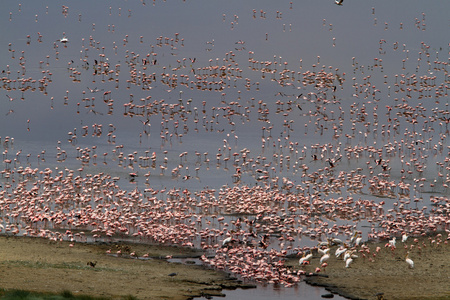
x: 203, y: 95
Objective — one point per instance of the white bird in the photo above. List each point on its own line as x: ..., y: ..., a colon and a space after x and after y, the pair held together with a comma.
x: 227, y: 241
x: 323, y: 251
x: 409, y: 261
x: 348, y: 254
x: 404, y: 237
x: 392, y: 242
x: 340, y: 250
x: 354, y: 236
x: 64, y: 39
x: 358, y: 240
x: 305, y: 259
x: 348, y: 262
x: 324, y: 258
x: 336, y: 241
x: 338, y: 2
x: 324, y: 244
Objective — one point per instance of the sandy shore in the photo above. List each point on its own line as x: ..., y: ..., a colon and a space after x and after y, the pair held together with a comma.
x: 41, y: 265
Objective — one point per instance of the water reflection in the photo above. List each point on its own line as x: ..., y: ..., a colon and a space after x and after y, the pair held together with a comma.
x: 177, y: 122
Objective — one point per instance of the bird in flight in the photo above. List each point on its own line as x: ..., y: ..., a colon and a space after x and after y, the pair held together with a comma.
x: 95, y: 112
x: 95, y: 90
x: 338, y: 2
x: 298, y: 105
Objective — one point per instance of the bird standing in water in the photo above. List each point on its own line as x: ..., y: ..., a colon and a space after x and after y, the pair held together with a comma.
x: 64, y: 39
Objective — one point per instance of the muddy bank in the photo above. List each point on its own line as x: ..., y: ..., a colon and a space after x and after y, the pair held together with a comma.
x: 41, y: 265
x: 385, y: 273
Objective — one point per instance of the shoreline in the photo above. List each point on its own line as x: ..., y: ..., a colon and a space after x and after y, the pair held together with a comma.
x: 61, y: 266
x: 384, y: 274
x: 41, y: 265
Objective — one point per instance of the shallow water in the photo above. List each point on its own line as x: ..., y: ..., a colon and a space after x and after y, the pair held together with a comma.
x: 302, y: 291
x: 371, y: 50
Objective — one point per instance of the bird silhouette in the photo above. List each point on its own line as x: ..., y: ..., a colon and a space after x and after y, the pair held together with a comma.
x: 92, y: 263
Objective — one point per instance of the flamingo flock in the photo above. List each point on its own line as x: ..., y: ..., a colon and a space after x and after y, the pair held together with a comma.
x: 335, y: 151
